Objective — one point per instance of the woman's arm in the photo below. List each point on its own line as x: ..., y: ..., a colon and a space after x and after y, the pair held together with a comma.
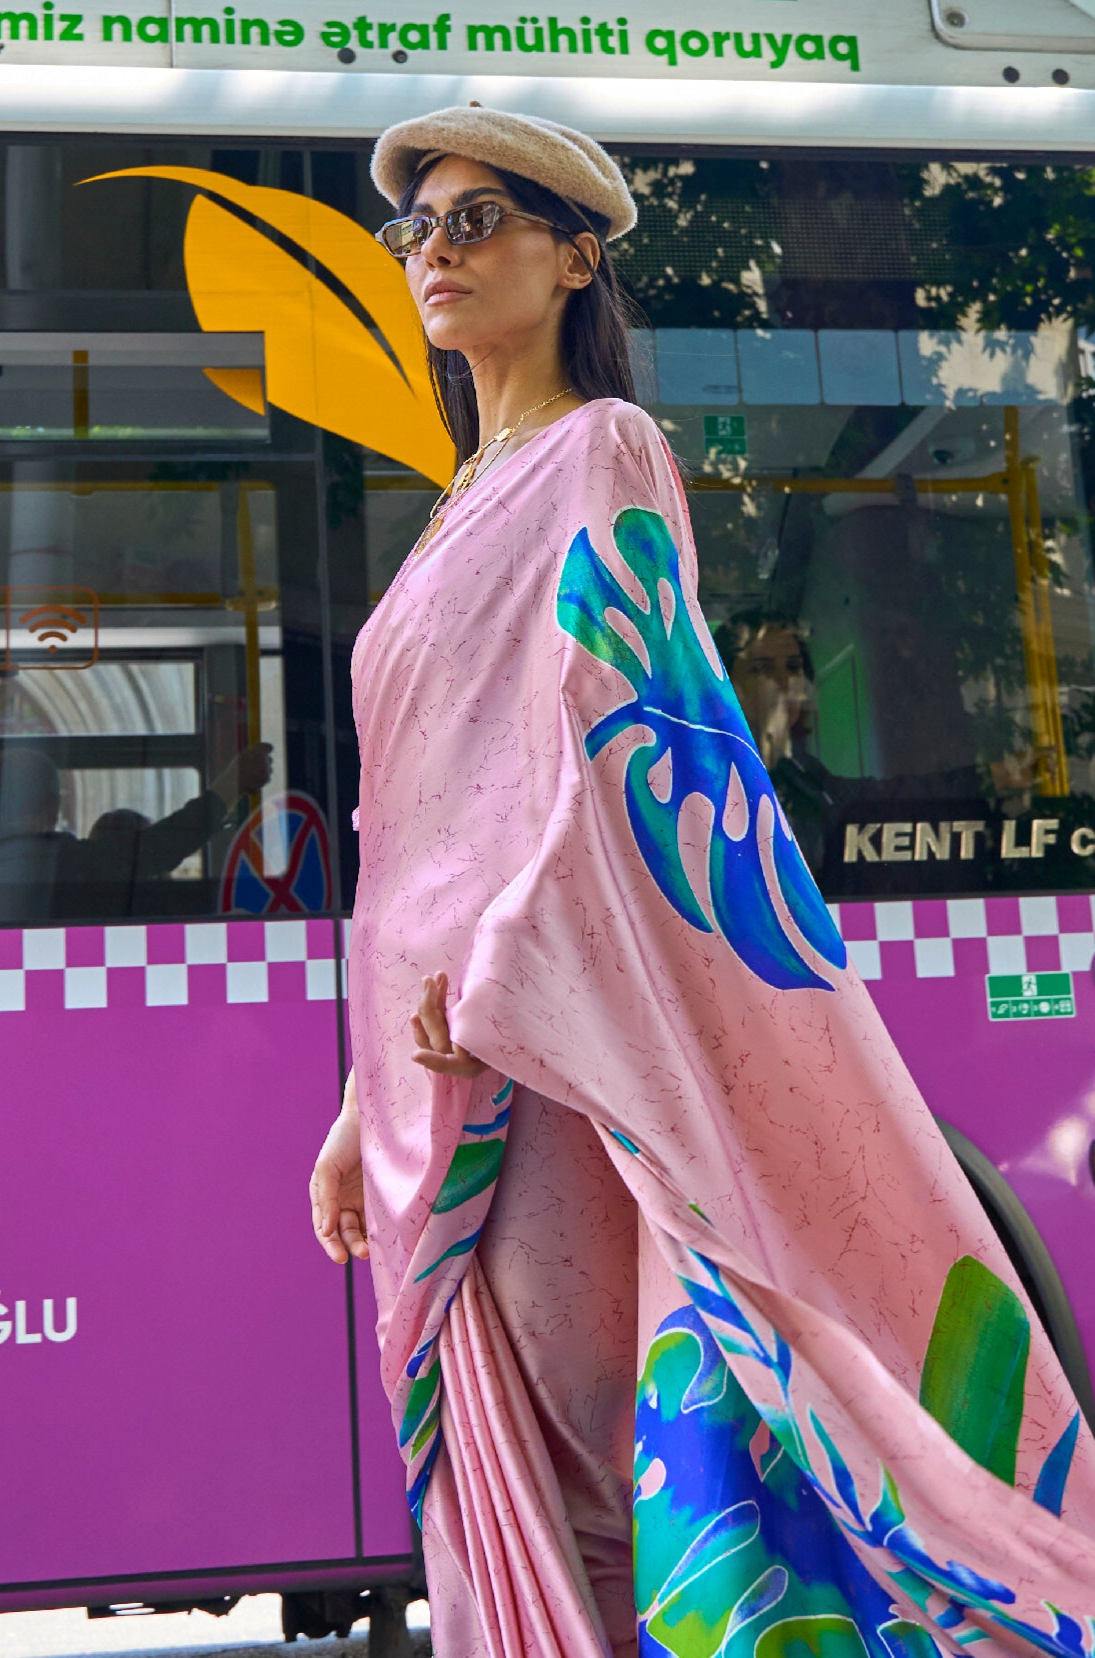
x: 337, y: 1188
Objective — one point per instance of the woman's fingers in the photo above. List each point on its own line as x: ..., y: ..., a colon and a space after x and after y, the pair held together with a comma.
x: 339, y: 1229
x: 323, y: 1191
x: 430, y: 1028
x: 458, y: 1063
x: 418, y: 1031
x: 325, y: 1227
x: 334, y: 1249
x: 351, y: 1230
x: 340, y: 1232
x: 431, y: 1014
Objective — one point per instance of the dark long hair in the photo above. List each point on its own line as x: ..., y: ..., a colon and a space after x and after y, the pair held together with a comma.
x: 594, y: 342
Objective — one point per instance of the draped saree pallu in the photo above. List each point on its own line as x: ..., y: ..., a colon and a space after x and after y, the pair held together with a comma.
x: 850, y: 1433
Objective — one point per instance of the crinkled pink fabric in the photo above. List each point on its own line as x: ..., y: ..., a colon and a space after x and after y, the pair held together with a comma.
x: 674, y: 987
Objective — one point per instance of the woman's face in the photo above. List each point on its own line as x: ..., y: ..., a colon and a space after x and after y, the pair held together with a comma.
x: 502, y: 291
x: 771, y: 682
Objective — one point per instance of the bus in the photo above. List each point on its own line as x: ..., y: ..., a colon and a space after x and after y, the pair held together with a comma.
x: 865, y: 259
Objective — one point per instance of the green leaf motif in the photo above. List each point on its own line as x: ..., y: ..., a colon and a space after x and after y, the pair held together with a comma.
x: 426, y: 1431
x: 976, y: 1364
x: 419, y: 1400
x: 473, y: 1168
x: 825, y: 1636
x: 908, y: 1640
x: 690, y: 1616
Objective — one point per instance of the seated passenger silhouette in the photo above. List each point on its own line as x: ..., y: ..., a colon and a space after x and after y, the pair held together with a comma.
x: 122, y: 819
x: 768, y: 659
x: 47, y: 873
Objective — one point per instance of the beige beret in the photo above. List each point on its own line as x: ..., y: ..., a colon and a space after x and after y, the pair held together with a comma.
x: 558, y: 157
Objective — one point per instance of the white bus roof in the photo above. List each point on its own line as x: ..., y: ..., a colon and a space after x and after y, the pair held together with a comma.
x: 924, y: 74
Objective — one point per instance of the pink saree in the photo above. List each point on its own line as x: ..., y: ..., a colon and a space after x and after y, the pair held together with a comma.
x: 697, y: 1163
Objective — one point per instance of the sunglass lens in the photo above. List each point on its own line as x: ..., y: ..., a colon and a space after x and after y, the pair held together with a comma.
x: 471, y: 224
x: 405, y: 236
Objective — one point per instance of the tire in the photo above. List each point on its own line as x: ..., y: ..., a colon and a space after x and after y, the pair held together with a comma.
x: 1031, y: 1260
x: 319, y: 1612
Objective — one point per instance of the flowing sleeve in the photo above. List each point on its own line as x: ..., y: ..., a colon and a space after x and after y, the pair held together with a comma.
x: 662, y: 854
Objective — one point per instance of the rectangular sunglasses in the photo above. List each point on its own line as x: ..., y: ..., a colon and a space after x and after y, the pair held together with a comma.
x: 461, y: 225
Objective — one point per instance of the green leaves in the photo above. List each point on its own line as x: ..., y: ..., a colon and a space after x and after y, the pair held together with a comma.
x: 473, y: 1168
x: 975, y: 1366
x: 826, y: 1636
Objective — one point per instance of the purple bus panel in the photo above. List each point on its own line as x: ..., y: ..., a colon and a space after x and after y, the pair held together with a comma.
x: 177, y: 1371
x: 1014, y: 1072
x: 178, y: 1378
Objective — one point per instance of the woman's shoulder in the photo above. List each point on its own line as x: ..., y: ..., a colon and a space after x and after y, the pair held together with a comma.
x: 620, y: 415
x: 625, y: 425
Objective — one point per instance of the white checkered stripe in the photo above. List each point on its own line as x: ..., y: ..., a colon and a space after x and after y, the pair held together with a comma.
x: 956, y: 937
x: 172, y: 964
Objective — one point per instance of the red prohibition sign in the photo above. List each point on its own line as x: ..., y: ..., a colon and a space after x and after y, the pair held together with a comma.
x: 303, y: 887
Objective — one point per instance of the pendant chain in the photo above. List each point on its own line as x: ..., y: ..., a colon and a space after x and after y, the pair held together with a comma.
x: 467, y: 473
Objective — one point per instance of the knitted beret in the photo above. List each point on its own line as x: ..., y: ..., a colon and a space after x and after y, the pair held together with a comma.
x: 557, y: 157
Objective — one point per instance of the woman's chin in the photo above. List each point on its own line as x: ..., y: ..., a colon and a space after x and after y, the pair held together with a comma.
x: 444, y: 336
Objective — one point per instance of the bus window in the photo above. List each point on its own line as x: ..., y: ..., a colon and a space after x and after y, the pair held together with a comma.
x: 879, y: 379
x: 162, y: 746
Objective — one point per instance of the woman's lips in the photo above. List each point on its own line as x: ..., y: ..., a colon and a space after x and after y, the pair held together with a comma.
x: 444, y: 296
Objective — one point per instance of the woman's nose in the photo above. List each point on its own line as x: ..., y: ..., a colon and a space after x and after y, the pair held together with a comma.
x: 437, y: 249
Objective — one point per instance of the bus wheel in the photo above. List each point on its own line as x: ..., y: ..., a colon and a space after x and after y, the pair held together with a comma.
x: 389, y: 1636
x: 1031, y: 1260
x: 320, y: 1612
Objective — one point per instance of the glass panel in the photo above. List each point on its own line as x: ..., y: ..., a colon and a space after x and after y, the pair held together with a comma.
x: 94, y: 803
x: 186, y: 572
x: 879, y: 379
x: 89, y: 387
x: 192, y: 732
x: 162, y: 637
x: 119, y: 698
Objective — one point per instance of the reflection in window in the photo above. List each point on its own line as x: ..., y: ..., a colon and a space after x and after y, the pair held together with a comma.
x: 109, y: 698
x: 123, y: 783
x: 880, y: 378
x: 93, y: 387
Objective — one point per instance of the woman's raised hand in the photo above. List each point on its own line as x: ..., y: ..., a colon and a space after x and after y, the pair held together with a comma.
x: 430, y: 1028
x: 337, y: 1188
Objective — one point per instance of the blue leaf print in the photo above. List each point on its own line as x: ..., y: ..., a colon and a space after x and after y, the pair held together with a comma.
x: 842, y: 1477
x: 701, y: 745
x: 1050, y: 1490
x: 967, y: 1584
x: 766, y: 1592
x: 1068, y: 1633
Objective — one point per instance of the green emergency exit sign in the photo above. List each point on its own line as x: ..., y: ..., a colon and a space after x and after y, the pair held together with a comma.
x: 1030, y: 996
x: 725, y: 434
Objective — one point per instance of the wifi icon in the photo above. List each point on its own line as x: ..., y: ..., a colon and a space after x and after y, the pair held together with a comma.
x: 55, y: 622
x: 61, y: 621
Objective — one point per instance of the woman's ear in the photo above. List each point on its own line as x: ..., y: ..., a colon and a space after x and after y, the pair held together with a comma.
x: 583, y: 257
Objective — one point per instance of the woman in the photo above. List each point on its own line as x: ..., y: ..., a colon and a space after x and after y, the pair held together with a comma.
x: 660, y: 1131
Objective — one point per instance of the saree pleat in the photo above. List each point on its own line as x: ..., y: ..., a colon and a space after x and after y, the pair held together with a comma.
x: 530, y: 1583
x: 537, y: 1357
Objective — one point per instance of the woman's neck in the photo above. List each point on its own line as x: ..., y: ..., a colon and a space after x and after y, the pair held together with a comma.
x: 505, y: 390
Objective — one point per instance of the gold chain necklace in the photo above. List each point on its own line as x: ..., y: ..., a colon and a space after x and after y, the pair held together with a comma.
x: 466, y: 474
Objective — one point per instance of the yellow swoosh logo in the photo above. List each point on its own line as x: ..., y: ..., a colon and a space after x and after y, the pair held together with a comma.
x: 323, y: 364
